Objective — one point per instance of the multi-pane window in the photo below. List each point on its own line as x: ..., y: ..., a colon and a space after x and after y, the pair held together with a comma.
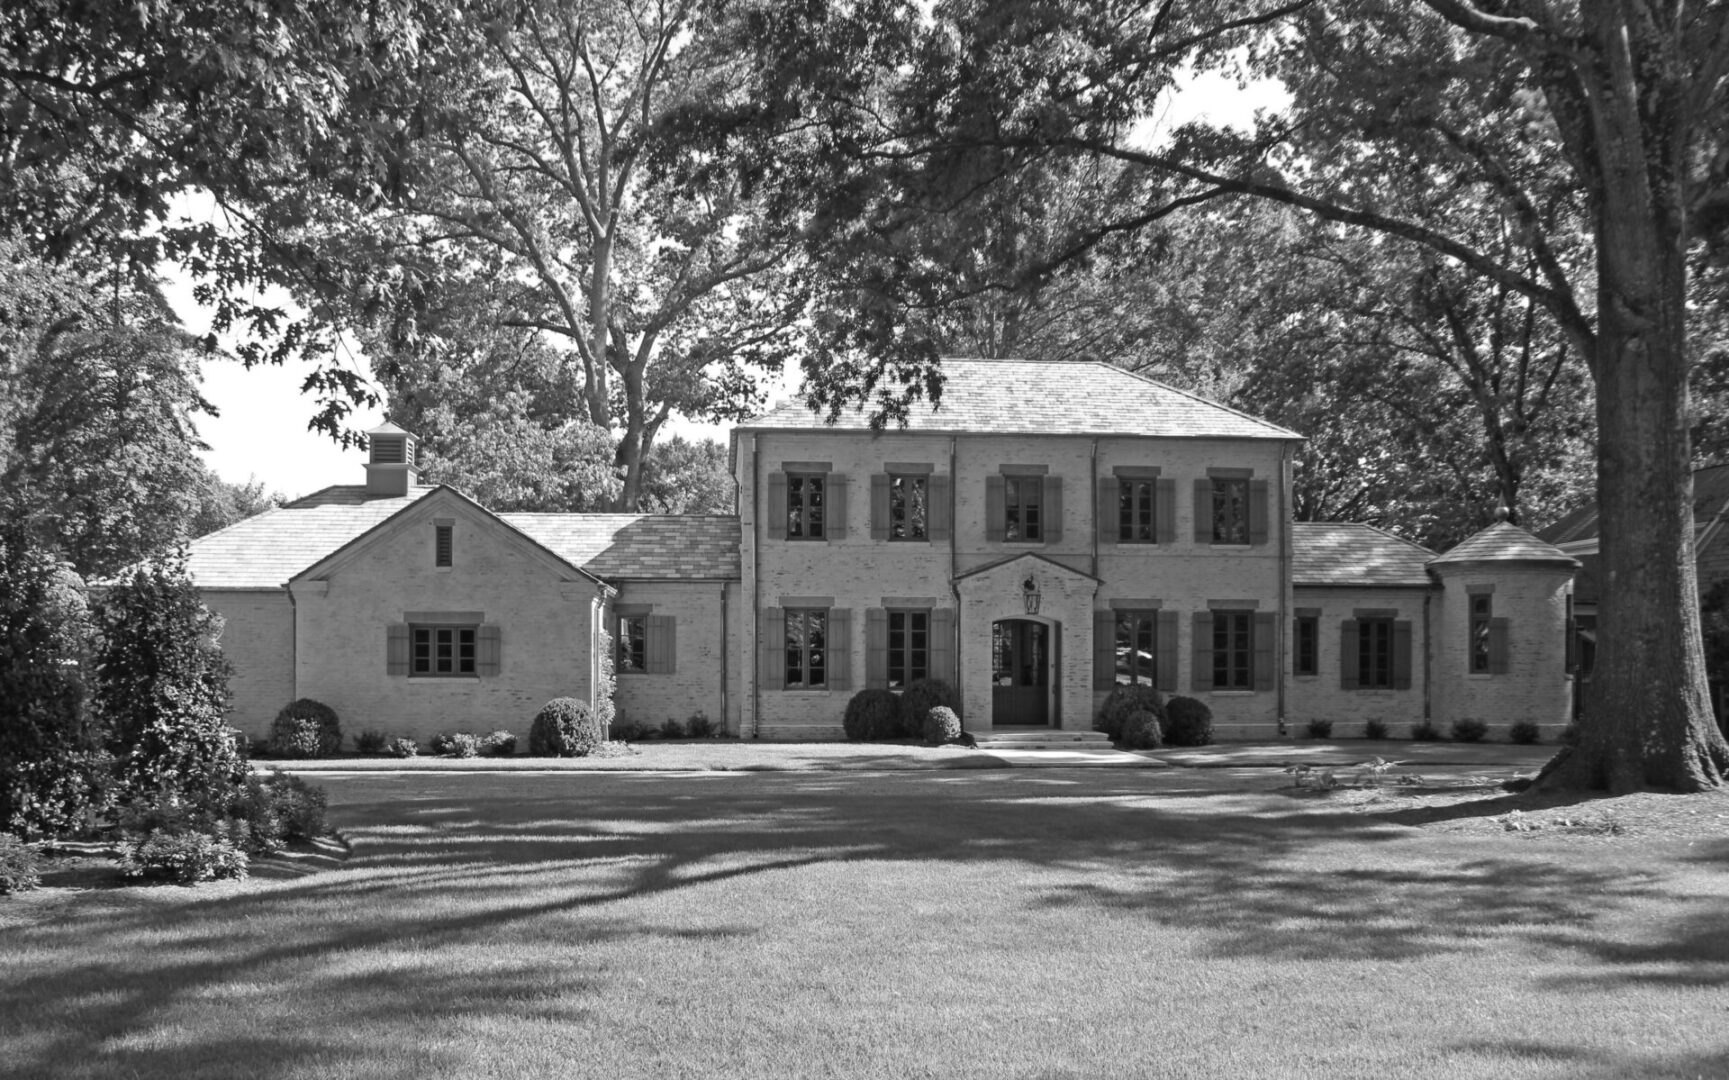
x: 804, y: 506
x: 806, y: 648
x: 1135, y: 512
x: 443, y: 545
x: 1023, y: 497
x: 442, y: 650
x: 1482, y: 608
x: 1375, y: 653
x: 1137, y: 648
x: 909, y: 652
x: 1233, y: 650
x: 907, y: 501
x: 1230, y: 510
x: 1308, y: 658
x: 633, y: 643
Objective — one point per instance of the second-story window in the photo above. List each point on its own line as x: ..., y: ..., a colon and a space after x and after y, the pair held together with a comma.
x: 908, y: 498
x: 1230, y: 510
x: 1022, y: 508
x: 1135, y: 512
x: 804, y: 506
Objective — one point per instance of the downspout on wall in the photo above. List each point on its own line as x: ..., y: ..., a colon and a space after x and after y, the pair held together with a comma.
x: 293, y: 642
x: 1097, y: 509
x: 723, y: 664
x: 1287, y: 536
x: 755, y: 647
x: 954, y: 571
x: 1428, y: 657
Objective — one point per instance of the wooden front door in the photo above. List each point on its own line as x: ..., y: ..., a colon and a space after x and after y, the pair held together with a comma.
x: 1020, y: 673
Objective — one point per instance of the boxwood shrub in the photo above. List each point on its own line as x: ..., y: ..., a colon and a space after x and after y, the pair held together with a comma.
x: 564, y: 727
x: 942, y: 725
x: 1126, y: 699
x: 305, y: 729
x: 1188, y: 722
x: 1141, y: 731
x: 919, y: 698
x: 873, y: 714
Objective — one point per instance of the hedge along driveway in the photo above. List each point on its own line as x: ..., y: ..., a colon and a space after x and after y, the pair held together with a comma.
x: 1052, y: 923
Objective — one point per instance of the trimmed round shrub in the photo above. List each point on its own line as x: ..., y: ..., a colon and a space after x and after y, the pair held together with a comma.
x: 1525, y: 732
x: 1374, y: 729
x: 464, y: 745
x: 18, y: 869
x: 1320, y: 729
x: 1141, y: 731
x: 1468, y: 730
x: 920, y: 697
x: 1124, y: 700
x: 1188, y: 722
x: 500, y: 744
x: 942, y: 725
x: 564, y: 727
x: 305, y: 729
x: 872, y: 714
x: 370, y: 741
x: 404, y: 748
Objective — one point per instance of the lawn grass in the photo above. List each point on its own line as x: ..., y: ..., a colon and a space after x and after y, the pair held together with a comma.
x: 1047, y: 923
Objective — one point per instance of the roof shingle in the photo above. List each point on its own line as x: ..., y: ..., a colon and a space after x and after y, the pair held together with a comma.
x: 267, y: 550
x: 1348, y: 553
x: 619, y: 546
x: 1504, y: 542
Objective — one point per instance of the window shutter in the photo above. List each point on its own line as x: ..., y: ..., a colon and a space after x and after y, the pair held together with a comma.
x: 1497, y: 646
x: 1202, y: 676
x: 661, y: 650
x: 1203, y: 513
x: 840, y: 649
x: 1166, y: 644
x: 1257, y: 511
x: 834, y: 519
x: 939, y: 516
x: 877, y: 648
x: 1402, y: 654
x: 995, y: 514
x: 1348, y: 673
x: 488, y: 650
x: 943, y: 644
x: 771, y: 642
x: 1110, y: 511
x: 1165, y: 511
x: 1053, y: 510
x: 1104, y: 650
x: 879, y: 506
x: 777, y: 506
x: 396, y: 649
x: 1266, y: 635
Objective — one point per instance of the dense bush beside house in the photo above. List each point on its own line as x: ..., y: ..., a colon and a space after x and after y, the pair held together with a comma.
x: 370, y: 741
x: 464, y: 745
x: 404, y: 748
x: 872, y: 714
x: 1469, y: 730
x: 671, y: 729
x: 1425, y: 732
x: 629, y: 731
x: 700, y: 726
x: 1123, y: 701
x: 1525, y: 732
x: 1320, y: 729
x: 942, y: 725
x: 183, y: 856
x: 1375, y: 729
x: 919, y: 698
x: 305, y: 729
x: 564, y: 727
x: 500, y: 744
x: 1141, y: 731
x: 1188, y: 722
x: 18, y: 865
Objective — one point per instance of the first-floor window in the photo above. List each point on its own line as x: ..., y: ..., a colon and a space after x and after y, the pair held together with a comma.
x: 1137, y: 648
x: 443, y: 650
x: 1308, y: 659
x: 1233, y: 650
x: 806, y: 648
x: 909, y: 647
x: 1482, y: 607
x: 1375, y: 653
x: 633, y: 643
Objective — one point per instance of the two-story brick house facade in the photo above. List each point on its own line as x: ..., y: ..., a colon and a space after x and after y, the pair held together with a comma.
x: 1048, y: 531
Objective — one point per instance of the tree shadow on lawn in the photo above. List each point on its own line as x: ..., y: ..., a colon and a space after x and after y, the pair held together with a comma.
x: 449, y: 862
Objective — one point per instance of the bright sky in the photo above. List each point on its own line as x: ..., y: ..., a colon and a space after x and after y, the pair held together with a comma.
x: 262, y: 431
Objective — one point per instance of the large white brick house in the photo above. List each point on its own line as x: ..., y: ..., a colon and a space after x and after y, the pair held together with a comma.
x: 1050, y: 531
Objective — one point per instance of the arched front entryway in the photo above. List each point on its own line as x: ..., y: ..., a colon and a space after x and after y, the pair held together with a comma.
x: 1021, y: 673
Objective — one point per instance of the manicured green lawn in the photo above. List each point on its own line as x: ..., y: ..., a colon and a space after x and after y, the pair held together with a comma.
x: 989, y: 923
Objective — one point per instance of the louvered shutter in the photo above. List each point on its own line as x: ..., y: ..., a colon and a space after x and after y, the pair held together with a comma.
x: 943, y: 645
x: 877, y: 648
x: 1165, y: 511
x: 1402, y: 654
x: 1497, y: 646
x: 939, y: 511
x: 1349, y: 677
x: 1167, y: 647
x: 1110, y: 512
x: 661, y: 649
x: 1202, y: 677
x: 771, y: 645
x: 777, y: 506
x: 1104, y: 650
x: 1258, y: 511
x: 840, y: 649
x: 995, y: 513
x: 1203, y: 512
x: 488, y: 650
x: 1053, y: 510
x: 834, y: 523
x: 879, y: 506
x: 1266, y: 656
x: 396, y: 649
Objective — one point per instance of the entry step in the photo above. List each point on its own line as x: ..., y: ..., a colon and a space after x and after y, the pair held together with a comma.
x: 1043, y: 739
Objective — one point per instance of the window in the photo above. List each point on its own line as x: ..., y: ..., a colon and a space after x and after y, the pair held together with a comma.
x: 1482, y: 610
x: 909, y: 652
x: 1308, y: 659
x: 442, y: 650
x: 1230, y: 510
x: 908, y: 497
x: 1375, y: 654
x: 632, y: 643
x: 806, y: 649
x: 1022, y: 517
x: 1137, y: 648
x: 442, y: 547
x: 1135, y: 511
x: 1233, y: 650
x: 804, y: 506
